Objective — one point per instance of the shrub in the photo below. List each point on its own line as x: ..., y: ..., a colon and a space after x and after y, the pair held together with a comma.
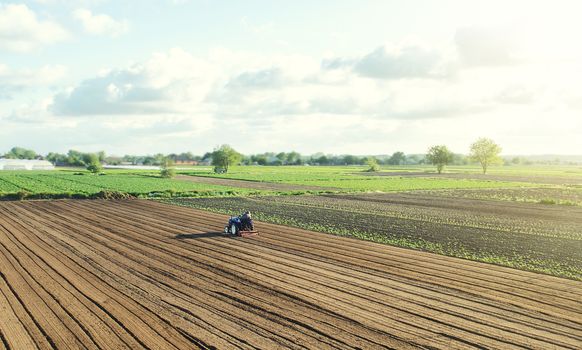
x: 547, y: 201
x: 167, y: 168
x: 373, y: 165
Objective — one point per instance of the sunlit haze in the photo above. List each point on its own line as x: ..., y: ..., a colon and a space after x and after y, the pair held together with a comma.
x: 358, y: 77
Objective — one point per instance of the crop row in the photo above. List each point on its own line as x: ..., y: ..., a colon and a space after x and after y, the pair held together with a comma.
x: 352, y: 179
x: 564, y: 195
x: 542, y: 253
x: 422, y: 210
x: 63, y: 185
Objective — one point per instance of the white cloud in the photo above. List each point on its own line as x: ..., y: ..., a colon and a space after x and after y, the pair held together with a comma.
x: 280, y: 100
x: 13, y: 80
x: 167, y: 83
x: 480, y: 46
x: 101, y: 24
x: 405, y: 61
x: 22, y: 31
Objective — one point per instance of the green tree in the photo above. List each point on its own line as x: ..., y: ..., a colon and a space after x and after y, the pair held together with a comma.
x: 282, y: 157
x: 322, y: 160
x: 102, y: 156
x: 93, y: 163
x: 75, y: 158
x: 167, y: 168
x: 293, y: 158
x: 397, y: 158
x: 57, y: 158
x: 372, y: 164
x: 350, y: 160
x: 223, y: 157
x: 439, y: 156
x: 185, y: 156
x: 20, y: 153
x: 486, y: 152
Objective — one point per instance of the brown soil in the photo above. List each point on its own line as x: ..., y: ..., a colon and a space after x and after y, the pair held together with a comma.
x: 269, y: 186
x: 139, y: 274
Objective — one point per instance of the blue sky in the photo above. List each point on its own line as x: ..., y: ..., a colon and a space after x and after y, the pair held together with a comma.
x: 362, y: 77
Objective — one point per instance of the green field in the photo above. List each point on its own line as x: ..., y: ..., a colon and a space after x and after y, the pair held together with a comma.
x: 505, y: 183
x: 351, y: 179
x: 70, y: 183
x: 282, y: 173
x: 460, y: 213
x: 75, y: 184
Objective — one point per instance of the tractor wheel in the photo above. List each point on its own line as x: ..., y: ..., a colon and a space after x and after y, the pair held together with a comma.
x: 233, y: 229
x: 226, y: 229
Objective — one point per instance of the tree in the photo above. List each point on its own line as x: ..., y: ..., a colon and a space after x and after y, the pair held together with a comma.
x: 350, y: 160
x: 93, y: 164
x: 293, y: 158
x: 20, y: 153
x: 57, y: 158
x: 486, y: 152
x: 223, y: 157
x: 75, y: 158
x: 282, y: 157
x: 322, y: 160
x: 373, y: 164
x: 206, y: 157
x: 260, y: 159
x: 397, y: 158
x: 439, y: 156
x: 167, y: 168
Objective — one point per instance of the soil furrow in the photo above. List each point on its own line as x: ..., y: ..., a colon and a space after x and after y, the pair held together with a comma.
x: 84, y: 260
x: 127, y: 267
x: 140, y: 274
x: 130, y: 248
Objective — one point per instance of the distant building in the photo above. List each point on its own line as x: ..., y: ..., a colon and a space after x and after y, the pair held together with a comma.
x: 25, y: 164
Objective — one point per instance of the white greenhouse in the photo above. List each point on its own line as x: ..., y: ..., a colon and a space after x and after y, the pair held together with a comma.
x: 25, y: 164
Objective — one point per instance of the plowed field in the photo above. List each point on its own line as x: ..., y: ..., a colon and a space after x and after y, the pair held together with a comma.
x: 139, y: 274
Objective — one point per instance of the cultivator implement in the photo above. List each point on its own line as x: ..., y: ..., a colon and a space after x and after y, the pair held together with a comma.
x: 248, y: 233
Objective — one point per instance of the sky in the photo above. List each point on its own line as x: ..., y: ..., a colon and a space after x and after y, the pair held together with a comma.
x: 339, y: 77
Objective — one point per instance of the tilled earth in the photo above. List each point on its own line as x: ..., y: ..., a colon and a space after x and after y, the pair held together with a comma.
x: 528, y: 236
x: 140, y: 274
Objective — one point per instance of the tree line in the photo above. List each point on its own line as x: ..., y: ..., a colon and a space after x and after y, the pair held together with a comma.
x: 76, y: 158
x: 484, y: 151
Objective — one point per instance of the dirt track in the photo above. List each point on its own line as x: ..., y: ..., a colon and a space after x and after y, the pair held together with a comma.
x: 269, y: 186
x: 138, y: 274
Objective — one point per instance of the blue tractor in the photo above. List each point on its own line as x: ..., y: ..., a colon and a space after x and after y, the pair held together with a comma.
x: 237, y: 227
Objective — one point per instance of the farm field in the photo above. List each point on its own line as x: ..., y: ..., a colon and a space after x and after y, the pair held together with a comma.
x: 69, y: 184
x: 258, y: 181
x: 350, y: 183
x: 349, y: 179
x: 528, y: 178
x: 141, y: 274
x: 257, y: 185
x: 533, y: 237
x: 543, y: 195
